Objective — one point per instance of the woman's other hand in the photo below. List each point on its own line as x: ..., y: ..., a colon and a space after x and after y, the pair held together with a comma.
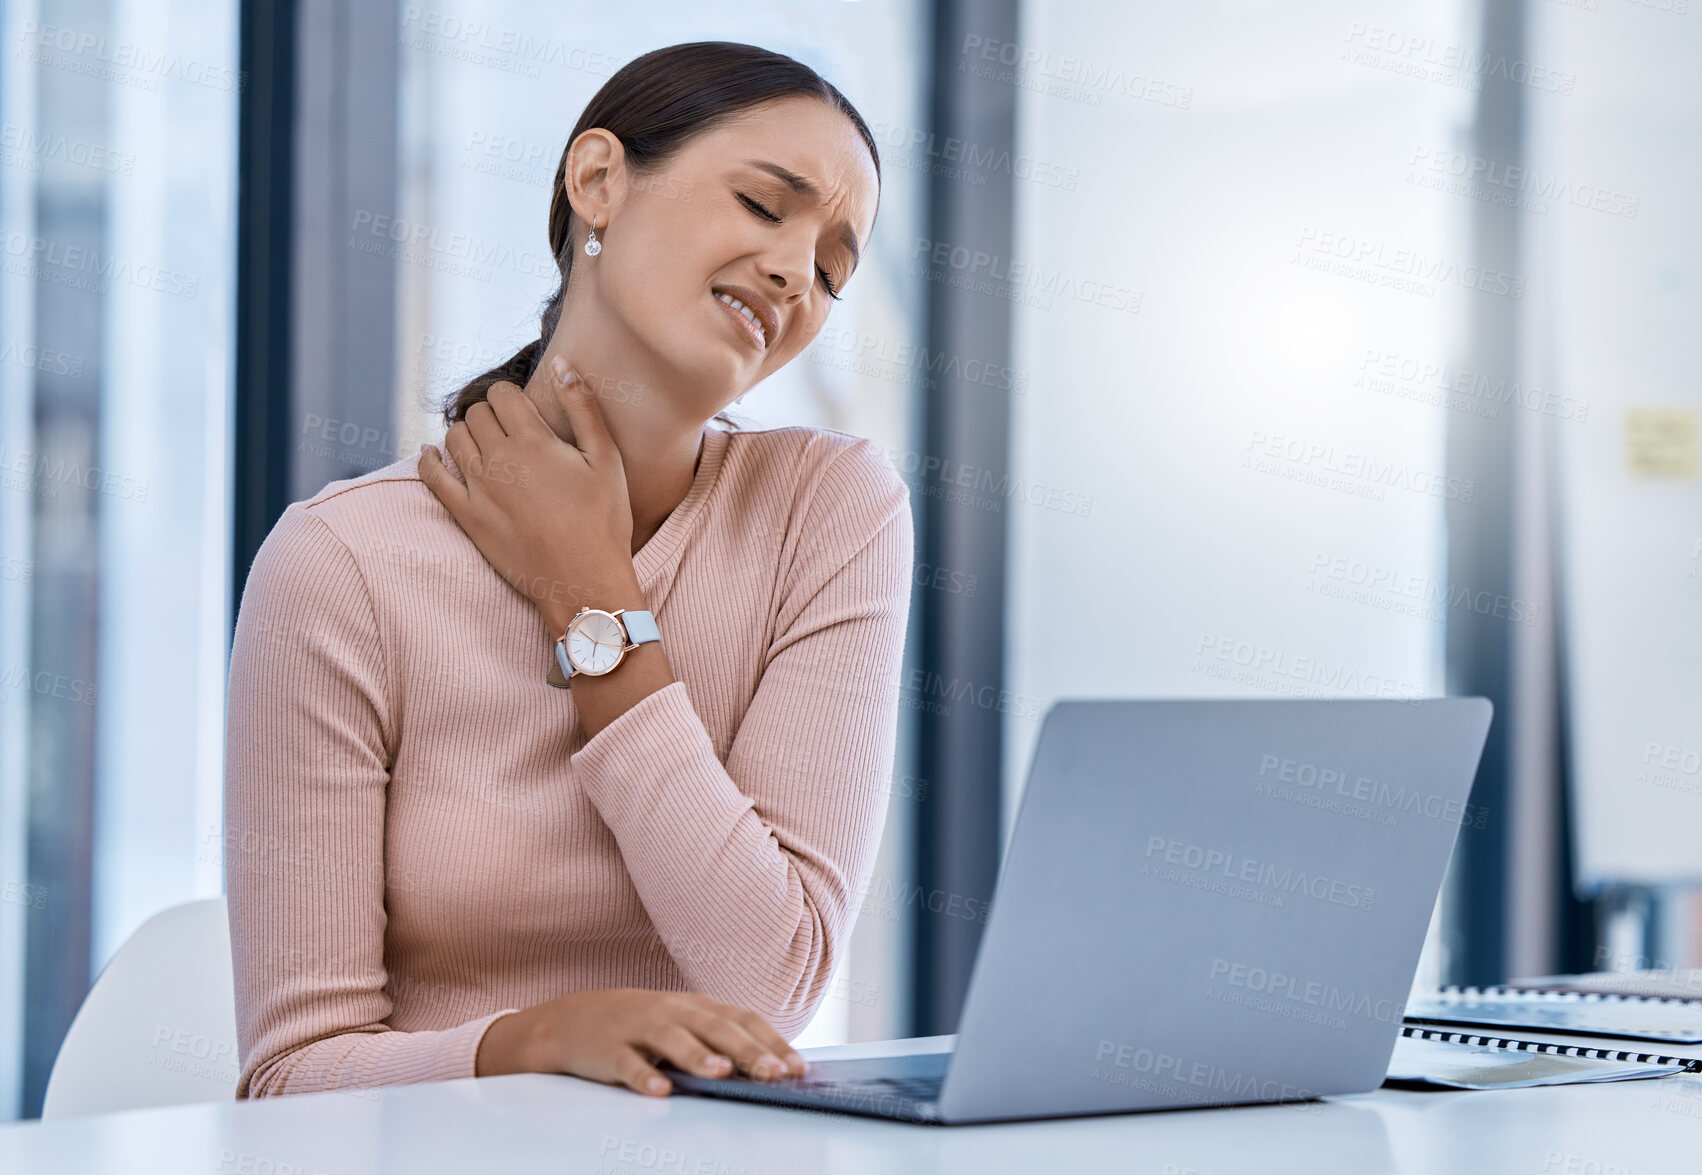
x: 553, y: 519
x: 615, y: 1036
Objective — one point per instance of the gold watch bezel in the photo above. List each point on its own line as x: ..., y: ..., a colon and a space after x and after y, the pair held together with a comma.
x: 585, y: 610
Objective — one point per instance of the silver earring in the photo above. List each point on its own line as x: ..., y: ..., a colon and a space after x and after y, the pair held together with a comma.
x: 592, y: 245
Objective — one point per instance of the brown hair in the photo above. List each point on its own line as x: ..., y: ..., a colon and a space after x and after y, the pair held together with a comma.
x: 654, y: 104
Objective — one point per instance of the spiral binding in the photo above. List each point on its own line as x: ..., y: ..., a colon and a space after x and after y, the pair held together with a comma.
x: 1566, y: 995
x: 1560, y: 1050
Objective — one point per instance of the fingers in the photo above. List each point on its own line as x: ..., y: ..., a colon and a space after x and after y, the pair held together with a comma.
x: 448, y: 488
x: 764, y: 1032
x: 687, y: 1050
x: 584, y: 413
x: 514, y: 409
x: 482, y: 423
x: 461, y: 445
x: 640, y: 1076
x: 753, y: 1054
x: 560, y: 375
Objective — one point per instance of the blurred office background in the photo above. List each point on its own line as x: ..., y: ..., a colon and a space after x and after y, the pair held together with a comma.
x: 1231, y: 348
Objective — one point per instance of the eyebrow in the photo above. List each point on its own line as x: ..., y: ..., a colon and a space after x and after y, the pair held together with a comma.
x: 805, y: 188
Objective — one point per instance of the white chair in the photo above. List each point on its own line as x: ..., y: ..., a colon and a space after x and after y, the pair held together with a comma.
x: 159, y: 1026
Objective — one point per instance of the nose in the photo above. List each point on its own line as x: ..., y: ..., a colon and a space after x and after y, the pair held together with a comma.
x: 791, y: 268
x: 791, y: 286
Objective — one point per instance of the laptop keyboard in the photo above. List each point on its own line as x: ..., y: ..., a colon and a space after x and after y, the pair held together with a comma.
x: 921, y: 1089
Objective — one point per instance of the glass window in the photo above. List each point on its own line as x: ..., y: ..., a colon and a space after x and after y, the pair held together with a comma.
x: 117, y: 209
x: 1237, y: 294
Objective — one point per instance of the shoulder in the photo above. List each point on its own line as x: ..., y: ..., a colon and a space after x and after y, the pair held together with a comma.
x: 836, y: 500
x: 352, y: 522
x: 376, y: 502
x: 825, y: 472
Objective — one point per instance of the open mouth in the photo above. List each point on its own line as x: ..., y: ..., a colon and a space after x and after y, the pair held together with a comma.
x: 743, y: 317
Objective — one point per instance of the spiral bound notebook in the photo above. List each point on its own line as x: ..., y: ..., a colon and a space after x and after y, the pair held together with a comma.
x: 1431, y: 1058
x: 1668, y: 983
x: 1631, y: 1017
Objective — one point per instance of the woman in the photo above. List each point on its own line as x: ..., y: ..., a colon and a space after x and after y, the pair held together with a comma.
x: 441, y: 865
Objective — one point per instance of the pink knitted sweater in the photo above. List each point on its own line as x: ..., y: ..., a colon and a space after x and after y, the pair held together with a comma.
x: 419, y: 838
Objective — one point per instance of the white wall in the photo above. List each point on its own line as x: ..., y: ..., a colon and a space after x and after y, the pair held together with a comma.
x: 1620, y: 265
x: 1249, y: 443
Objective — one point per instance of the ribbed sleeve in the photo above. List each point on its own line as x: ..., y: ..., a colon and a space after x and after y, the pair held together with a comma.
x: 306, y: 767
x: 749, y: 870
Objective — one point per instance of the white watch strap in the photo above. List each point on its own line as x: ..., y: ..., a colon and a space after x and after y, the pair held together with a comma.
x: 640, y: 626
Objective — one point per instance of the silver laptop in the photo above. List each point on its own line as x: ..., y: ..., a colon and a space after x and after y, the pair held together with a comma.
x: 1203, y: 903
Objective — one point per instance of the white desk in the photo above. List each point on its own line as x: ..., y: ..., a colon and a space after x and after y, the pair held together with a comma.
x: 566, y: 1126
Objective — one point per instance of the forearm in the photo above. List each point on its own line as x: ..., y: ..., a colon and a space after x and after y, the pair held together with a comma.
x: 749, y: 913
x: 369, y: 1058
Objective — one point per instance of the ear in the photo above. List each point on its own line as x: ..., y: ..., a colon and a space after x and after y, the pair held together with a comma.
x: 597, y: 177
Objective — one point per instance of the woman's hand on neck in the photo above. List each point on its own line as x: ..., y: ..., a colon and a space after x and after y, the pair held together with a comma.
x: 659, y: 452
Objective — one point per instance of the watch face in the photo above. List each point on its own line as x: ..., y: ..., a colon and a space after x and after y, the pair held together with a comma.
x: 594, y: 643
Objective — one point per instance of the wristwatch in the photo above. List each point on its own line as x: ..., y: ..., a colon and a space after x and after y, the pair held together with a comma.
x: 596, y: 642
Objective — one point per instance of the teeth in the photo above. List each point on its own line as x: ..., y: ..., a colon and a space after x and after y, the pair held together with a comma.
x: 746, y: 311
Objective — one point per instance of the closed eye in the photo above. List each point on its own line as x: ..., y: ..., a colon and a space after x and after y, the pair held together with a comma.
x: 763, y: 212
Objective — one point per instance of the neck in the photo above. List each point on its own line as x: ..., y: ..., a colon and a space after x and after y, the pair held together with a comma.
x: 659, y: 447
